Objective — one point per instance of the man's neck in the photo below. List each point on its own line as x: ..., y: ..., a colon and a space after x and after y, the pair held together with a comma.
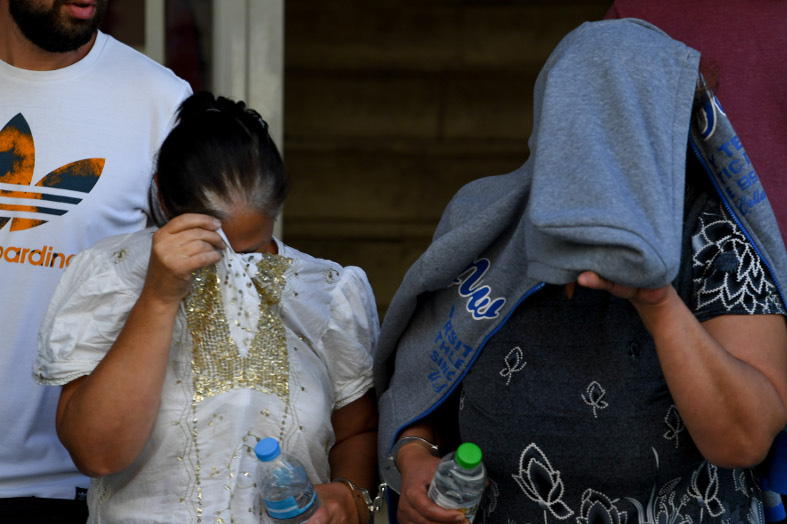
x: 20, y: 52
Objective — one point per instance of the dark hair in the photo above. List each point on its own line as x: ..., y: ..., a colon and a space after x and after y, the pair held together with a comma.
x: 218, y: 157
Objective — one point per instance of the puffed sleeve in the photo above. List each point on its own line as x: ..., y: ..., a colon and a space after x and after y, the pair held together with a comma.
x: 351, y: 336
x: 87, y: 311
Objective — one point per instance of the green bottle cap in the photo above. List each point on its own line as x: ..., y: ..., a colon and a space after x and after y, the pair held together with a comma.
x: 468, y: 455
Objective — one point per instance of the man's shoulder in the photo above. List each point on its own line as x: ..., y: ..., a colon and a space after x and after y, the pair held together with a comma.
x: 119, y: 58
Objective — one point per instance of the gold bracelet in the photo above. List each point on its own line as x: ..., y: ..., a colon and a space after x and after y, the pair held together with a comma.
x: 364, y: 504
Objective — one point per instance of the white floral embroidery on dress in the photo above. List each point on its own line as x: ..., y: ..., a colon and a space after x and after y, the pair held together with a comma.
x: 541, y: 483
x: 331, y: 275
x: 594, y: 398
x: 662, y: 508
x: 491, y: 494
x: 728, y: 269
x: 674, y: 501
x: 597, y: 507
x: 514, y: 361
x: 674, y: 424
x: 740, y: 481
x: 705, y: 488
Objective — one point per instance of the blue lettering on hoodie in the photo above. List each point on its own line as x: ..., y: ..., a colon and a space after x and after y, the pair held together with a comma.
x: 478, y: 304
x: 449, y: 356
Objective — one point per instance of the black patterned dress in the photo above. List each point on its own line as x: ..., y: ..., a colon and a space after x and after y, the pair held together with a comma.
x: 570, y: 407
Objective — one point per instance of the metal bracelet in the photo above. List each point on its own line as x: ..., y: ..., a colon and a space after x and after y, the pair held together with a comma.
x: 390, y: 472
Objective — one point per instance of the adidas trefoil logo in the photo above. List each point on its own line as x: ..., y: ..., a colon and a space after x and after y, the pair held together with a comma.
x: 53, y: 195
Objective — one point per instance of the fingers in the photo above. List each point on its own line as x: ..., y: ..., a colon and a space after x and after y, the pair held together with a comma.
x: 645, y: 296
x: 415, y: 506
x: 185, y: 244
x: 188, y: 242
x: 183, y: 253
x: 321, y: 516
x: 192, y: 226
x: 188, y: 250
x: 590, y: 280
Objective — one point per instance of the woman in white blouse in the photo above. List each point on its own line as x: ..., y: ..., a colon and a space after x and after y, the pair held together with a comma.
x: 179, y: 347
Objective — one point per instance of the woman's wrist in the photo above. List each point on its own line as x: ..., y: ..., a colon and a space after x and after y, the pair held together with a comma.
x: 363, y: 501
x: 412, y: 448
x: 412, y: 442
x: 391, y: 471
x: 155, y: 305
x: 660, y: 314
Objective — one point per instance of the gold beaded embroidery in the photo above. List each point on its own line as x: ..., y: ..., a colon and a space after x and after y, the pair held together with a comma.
x: 217, y: 364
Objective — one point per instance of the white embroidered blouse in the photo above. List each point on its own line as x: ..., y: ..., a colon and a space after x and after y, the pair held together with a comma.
x: 239, y: 370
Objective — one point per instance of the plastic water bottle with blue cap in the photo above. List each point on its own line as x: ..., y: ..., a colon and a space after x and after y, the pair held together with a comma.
x: 459, y: 480
x: 286, y: 490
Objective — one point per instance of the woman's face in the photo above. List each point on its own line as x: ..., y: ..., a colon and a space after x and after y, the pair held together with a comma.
x: 250, y: 232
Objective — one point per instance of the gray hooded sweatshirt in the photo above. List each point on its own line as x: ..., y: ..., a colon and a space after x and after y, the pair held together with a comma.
x: 602, y: 190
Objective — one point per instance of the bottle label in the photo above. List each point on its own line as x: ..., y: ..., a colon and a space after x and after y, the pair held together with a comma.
x: 447, y: 502
x: 470, y: 513
x: 288, y: 508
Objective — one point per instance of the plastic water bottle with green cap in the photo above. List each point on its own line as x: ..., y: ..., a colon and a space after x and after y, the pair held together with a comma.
x: 460, y: 480
x: 287, y: 493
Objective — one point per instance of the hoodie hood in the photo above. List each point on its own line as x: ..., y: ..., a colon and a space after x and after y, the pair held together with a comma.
x: 594, y: 203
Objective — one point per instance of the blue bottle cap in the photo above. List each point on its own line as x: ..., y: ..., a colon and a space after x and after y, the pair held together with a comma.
x: 267, y: 449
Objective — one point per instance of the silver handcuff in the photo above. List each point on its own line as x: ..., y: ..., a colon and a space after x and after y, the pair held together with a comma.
x: 391, y: 476
x: 363, y: 498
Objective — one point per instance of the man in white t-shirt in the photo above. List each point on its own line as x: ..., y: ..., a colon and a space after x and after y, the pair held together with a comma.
x: 81, y: 118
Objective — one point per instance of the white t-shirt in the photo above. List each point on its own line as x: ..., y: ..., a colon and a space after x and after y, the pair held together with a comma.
x: 316, y: 334
x: 76, y: 158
